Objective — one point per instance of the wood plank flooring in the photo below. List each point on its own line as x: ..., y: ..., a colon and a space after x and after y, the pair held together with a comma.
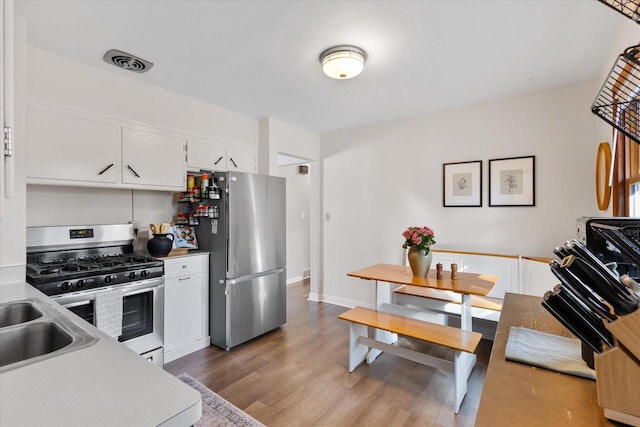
x: 298, y: 375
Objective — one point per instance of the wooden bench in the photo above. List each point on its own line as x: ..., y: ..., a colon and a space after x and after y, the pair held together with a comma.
x: 485, y: 309
x: 362, y: 337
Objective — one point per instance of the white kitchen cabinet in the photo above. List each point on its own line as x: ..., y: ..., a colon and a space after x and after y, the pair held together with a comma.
x: 69, y: 147
x: 242, y: 159
x: 153, y: 159
x: 215, y: 156
x: 206, y: 155
x: 186, y: 305
x: 64, y: 147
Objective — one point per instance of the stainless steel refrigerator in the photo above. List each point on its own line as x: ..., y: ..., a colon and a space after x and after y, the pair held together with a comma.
x: 247, y: 265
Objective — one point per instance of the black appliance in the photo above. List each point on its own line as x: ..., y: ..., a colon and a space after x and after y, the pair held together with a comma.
x: 606, y: 250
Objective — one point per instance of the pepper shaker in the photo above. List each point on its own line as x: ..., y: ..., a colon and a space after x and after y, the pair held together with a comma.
x: 454, y: 271
x: 439, y: 271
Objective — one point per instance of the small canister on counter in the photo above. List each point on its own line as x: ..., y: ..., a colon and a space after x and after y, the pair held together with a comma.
x: 454, y: 271
x: 439, y: 271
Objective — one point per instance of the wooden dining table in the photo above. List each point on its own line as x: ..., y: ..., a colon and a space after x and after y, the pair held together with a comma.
x: 388, y: 276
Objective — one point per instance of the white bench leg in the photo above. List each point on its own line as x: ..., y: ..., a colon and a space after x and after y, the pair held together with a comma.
x: 463, y: 365
x: 384, y: 337
x: 357, y: 352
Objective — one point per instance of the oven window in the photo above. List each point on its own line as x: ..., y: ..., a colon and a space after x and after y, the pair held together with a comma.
x: 137, y: 316
x: 85, y: 311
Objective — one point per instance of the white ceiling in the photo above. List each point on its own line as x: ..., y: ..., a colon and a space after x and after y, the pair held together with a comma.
x: 260, y: 58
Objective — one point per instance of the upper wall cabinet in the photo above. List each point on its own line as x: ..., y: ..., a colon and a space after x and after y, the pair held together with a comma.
x: 207, y: 155
x: 69, y: 147
x: 62, y: 147
x: 153, y: 159
x: 241, y: 159
x: 212, y: 155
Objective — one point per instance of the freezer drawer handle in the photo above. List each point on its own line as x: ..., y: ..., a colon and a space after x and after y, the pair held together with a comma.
x: 184, y: 278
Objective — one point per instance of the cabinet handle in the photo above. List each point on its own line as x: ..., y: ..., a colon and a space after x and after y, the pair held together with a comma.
x: 105, y: 169
x: 134, y: 172
x: 218, y: 161
x: 184, y: 278
x: 234, y: 163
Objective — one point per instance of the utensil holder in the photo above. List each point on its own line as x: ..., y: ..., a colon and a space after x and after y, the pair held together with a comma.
x: 618, y: 372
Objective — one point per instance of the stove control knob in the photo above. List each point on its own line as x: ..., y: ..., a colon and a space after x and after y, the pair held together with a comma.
x: 65, y: 286
x: 80, y: 284
x: 144, y: 273
x: 109, y: 278
x: 132, y: 275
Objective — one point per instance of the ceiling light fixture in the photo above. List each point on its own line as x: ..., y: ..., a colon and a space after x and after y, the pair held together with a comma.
x: 343, y: 62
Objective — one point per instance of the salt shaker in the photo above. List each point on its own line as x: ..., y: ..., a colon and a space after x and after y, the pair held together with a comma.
x: 438, y: 271
x: 454, y: 271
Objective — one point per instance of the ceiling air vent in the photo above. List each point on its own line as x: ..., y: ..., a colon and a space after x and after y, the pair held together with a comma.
x: 127, y: 61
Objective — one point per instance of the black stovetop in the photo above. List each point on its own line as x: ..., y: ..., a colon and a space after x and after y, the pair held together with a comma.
x: 53, y: 270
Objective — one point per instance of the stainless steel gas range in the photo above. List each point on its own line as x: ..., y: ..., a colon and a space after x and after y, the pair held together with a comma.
x: 93, y: 271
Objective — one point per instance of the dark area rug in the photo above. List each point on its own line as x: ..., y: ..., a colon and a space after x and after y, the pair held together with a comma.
x: 216, y: 411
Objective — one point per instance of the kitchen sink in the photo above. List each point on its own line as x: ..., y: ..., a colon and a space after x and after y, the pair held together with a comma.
x: 12, y: 314
x: 32, y: 331
x: 32, y: 340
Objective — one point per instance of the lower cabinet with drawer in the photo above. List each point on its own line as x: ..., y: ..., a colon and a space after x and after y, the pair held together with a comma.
x: 186, y: 305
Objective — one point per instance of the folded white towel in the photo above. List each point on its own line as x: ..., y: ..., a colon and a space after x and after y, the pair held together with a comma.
x: 548, y: 351
x: 108, y: 311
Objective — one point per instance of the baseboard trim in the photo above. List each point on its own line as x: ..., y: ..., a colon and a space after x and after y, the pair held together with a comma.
x: 294, y: 280
x: 343, y: 302
x: 179, y: 352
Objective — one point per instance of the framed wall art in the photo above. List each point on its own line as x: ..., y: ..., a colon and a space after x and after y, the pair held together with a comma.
x: 512, y: 181
x: 462, y: 184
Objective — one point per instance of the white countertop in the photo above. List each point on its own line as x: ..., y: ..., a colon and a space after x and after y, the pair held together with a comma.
x: 103, y: 385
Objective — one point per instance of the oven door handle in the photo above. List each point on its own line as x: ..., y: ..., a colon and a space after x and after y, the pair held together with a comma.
x: 78, y: 303
x: 144, y: 286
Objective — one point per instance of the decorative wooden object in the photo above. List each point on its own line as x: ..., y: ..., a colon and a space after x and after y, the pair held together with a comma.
x: 618, y: 372
x: 603, y: 170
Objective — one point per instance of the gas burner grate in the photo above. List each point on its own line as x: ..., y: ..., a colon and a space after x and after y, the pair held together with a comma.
x: 618, y: 101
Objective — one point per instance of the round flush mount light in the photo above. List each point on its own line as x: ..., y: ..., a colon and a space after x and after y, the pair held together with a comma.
x: 343, y: 62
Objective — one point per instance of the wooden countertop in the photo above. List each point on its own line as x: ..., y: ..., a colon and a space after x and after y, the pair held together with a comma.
x: 523, y: 395
x: 467, y: 283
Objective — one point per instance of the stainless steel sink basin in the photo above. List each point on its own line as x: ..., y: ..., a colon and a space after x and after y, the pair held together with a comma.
x: 32, y: 331
x: 13, y: 314
x: 33, y: 340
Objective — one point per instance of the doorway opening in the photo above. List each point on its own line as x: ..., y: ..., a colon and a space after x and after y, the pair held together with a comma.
x: 297, y: 172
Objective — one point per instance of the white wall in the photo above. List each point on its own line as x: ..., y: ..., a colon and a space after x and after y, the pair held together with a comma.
x: 279, y: 137
x: 58, y: 80
x: 56, y: 205
x: 298, y: 224
x: 379, y: 179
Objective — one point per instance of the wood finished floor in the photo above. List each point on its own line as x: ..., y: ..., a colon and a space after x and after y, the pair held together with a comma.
x: 298, y: 375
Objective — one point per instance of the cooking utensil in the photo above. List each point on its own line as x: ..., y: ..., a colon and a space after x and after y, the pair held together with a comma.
x: 590, y: 320
x: 621, y: 301
x: 554, y: 306
x: 582, y: 291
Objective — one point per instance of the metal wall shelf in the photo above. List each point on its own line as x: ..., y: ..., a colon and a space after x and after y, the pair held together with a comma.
x: 629, y: 8
x: 618, y: 101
